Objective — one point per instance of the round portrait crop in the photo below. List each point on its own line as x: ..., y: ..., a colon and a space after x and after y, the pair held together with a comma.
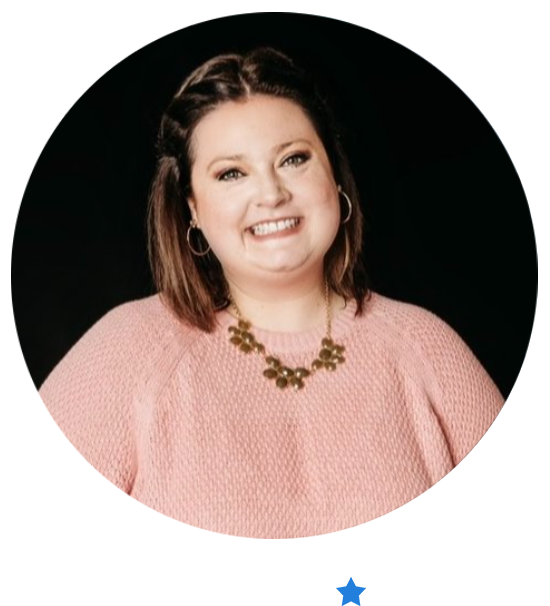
x: 283, y: 345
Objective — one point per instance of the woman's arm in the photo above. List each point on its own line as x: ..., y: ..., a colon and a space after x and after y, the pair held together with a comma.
x: 466, y: 400
x: 90, y: 396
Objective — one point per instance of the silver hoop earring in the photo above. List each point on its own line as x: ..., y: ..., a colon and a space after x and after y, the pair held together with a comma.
x: 350, y: 207
x: 197, y: 253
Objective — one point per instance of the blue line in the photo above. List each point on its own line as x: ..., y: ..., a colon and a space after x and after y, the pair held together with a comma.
x: 452, y: 582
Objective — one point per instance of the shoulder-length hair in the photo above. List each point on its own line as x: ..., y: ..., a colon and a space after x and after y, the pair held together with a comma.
x: 194, y: 287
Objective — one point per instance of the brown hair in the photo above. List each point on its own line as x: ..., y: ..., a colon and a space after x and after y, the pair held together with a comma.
x: 194, y: 287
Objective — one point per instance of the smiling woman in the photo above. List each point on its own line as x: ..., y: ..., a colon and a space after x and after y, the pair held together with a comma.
x: 248, y: 141
x: 265, y: 378
x: 264, y: 195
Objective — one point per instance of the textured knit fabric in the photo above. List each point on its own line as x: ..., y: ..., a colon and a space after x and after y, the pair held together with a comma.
x: 185, y: 423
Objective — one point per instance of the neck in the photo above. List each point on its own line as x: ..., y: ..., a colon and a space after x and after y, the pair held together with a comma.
x: 284, y: 309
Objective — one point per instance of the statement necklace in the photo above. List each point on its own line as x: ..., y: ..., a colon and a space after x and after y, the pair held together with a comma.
x: 329, y: 357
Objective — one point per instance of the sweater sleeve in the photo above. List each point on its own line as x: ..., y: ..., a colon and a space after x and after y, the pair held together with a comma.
x: 90, y: 396
x: 466, y: 400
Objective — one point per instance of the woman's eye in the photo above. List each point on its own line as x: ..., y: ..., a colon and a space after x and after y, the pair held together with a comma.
x: 230, y: 175
x: 296, y: 159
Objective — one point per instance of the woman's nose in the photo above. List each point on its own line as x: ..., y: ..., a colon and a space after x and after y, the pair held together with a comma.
x: 272, y: 191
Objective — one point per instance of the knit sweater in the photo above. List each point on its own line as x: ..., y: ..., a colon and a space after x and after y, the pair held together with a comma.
x: 186, y: 423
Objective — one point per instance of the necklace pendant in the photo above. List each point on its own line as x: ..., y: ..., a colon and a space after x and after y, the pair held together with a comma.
x: 330, y: 356
x: 244, y: 340
x: 285, y: 376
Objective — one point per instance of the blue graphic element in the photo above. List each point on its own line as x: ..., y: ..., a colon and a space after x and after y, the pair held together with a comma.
x: 451, y: 591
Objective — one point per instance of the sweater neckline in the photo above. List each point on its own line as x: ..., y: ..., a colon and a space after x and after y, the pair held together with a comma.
x: 306, y: 340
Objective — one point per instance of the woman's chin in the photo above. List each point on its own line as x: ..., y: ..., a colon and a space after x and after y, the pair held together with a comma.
x: 282, y: 270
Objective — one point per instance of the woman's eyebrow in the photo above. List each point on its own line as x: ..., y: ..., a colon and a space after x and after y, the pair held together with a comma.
x: 232, y: 158
x: 283, y: 146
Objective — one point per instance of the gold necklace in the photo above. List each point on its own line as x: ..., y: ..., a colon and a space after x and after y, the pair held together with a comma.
x: 329, y: 357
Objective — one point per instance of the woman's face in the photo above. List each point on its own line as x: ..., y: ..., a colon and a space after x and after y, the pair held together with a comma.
x: 263, y: 191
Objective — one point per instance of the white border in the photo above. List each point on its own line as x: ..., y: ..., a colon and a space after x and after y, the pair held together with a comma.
x: 479, y: 537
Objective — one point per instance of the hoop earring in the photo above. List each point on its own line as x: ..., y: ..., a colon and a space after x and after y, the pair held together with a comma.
x: 197, y: 253
x: 350, y: 207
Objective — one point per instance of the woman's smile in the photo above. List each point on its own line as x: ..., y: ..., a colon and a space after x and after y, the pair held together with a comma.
x: 275, y: 228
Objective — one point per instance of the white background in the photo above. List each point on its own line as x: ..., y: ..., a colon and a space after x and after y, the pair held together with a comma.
x: 480, y: 536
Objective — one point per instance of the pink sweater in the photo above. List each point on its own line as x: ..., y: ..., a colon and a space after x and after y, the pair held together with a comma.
x: 186, y: 424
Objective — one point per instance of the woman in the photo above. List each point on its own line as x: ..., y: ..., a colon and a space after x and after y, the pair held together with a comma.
x: 265, y: 392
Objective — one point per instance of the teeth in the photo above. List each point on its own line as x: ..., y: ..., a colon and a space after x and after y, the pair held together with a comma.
x: 274, y: 226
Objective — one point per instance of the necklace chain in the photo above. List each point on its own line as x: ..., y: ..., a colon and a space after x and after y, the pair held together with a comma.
x: 330, y: 355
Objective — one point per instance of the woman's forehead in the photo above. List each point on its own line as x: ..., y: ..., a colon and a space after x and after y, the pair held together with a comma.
x: 257, y: 122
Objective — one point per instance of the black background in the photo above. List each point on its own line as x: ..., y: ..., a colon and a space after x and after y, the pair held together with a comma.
x: 448, y: 223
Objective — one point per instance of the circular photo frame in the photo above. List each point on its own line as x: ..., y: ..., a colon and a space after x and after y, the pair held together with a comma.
x: 391, y: 366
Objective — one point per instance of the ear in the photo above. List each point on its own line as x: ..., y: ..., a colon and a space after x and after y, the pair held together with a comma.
x: 193, y: 209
